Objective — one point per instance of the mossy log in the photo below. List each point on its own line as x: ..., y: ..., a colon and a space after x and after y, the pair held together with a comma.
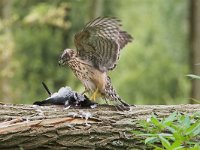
x: 55, y: 127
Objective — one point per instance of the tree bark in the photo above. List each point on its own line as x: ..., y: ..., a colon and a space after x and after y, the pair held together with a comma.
x: 195, y: 47
x: 55, y: 127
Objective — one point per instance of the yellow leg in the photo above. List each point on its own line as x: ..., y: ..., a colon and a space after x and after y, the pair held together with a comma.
x: 94, y: 95
x: 85, y: 91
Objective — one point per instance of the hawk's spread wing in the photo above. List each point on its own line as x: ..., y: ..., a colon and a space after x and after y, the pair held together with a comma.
x: 100, y: 42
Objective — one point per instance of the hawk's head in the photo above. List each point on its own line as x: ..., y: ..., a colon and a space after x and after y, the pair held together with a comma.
x: 66, y: 56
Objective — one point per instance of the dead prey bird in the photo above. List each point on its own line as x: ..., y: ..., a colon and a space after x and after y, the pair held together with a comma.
x: 67, y: 97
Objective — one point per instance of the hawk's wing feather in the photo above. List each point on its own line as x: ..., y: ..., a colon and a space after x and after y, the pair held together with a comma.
x: 100, y: 42
x: 124, y: 38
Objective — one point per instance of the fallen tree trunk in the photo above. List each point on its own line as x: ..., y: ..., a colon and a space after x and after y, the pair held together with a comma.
x: 54, y: 127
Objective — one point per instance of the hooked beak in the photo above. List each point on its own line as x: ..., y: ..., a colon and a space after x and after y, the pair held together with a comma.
x: 61, y: 62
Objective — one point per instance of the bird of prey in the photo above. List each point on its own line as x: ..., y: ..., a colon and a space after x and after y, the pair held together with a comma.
x: 97, y: 52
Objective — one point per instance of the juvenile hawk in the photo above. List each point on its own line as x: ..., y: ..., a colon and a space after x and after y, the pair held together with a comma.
x: 98, y: 48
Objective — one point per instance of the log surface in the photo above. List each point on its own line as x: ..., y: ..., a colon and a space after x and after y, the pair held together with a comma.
x: 55, y: 127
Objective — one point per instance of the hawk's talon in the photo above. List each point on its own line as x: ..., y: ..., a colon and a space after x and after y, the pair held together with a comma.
x: 95, y: 94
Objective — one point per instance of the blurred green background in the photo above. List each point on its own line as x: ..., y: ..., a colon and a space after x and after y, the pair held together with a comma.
x: 151, y: 69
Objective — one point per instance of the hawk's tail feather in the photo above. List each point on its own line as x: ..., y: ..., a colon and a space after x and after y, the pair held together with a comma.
x: 124, y: 103
x: 112, y: 95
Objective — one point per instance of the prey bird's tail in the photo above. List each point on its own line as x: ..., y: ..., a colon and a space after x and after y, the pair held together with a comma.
x: 112, y: 95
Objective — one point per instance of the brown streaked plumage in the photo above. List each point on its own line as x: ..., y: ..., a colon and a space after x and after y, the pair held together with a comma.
x: 98, y: 49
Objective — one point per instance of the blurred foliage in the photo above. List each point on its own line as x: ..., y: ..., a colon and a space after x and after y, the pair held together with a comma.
x: 46, y: 14
x: 151, y: 70
x: 175, y: 132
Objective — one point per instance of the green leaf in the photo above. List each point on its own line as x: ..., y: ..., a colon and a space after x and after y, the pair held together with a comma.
x: 170, y: 118
x: 172, y: 130
x: 186, y: 121
x: 181, y: 118
x: 177, y: 135
x: 193, y: 129
x: 197, y: 146
x: 197, y: 114
x: 193, y: 76
x: 156, y: 147
x: 150, y: 140
x: 164, y: 142
x: 176, y: 144
x: 137, y: 132
x: 165, y: 135
x: 177, y: 148
x: 176, y: 127
x: 155, y: 121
